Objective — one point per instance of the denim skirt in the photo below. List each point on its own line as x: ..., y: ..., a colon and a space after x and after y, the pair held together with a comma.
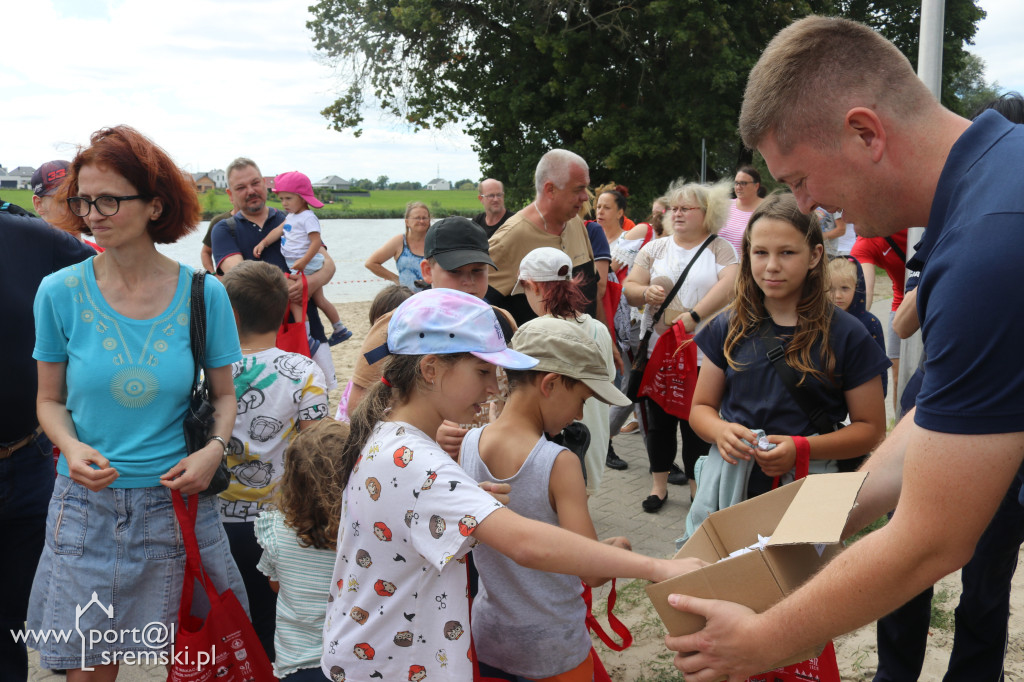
x: 108, y: 585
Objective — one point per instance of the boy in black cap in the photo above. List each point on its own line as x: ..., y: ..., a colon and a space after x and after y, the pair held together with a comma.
x: 455, y: 257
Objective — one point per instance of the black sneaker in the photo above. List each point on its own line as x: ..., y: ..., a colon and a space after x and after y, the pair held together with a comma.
x: 613, y: 461
x: 677, y: 476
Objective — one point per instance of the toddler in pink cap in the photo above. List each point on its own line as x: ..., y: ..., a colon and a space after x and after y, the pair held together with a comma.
x: 300, y: 243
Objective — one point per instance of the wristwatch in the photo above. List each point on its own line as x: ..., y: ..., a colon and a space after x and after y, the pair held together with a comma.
x: 223, y: 443
x: 695, y: 316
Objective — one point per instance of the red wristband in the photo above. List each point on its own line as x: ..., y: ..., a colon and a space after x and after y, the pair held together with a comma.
x: 803, y: 456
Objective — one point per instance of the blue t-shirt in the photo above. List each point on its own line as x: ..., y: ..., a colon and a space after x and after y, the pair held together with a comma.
x: 970, y: 297
x: 757, y: 398
x: 598, y: 241
x: 128, y: 381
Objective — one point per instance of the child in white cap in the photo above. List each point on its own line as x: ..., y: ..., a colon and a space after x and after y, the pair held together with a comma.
x: 543, y: 635
x: 397, y: 607
x: 301, y: 242
x: 545, y: 275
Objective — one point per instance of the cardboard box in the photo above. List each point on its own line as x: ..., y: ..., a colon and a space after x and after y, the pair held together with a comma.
x: 804, y: 520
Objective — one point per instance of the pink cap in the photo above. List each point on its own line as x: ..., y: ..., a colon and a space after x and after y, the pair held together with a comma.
x: 297, y: 183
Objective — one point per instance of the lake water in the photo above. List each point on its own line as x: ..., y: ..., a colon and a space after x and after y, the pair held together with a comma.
x: 350, y: 243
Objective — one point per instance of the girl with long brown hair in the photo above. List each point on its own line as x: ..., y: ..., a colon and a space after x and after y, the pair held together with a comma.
x: 782, y: 293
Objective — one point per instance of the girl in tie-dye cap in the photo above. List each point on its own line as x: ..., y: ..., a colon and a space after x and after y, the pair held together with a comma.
x: 409, y: 513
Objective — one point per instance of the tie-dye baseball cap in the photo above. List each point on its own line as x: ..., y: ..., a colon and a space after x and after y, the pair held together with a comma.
x: 445, y: 321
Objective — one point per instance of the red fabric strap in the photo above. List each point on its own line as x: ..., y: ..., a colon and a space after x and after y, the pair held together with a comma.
x: 617, y: 625
x: 803, y: 460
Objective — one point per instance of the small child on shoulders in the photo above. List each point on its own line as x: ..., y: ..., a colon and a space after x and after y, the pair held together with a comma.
x: 299, y: 540
x: 301, y: 242
x: 527, y: 622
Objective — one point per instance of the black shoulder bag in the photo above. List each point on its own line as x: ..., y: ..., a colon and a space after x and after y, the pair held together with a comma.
x: 199, y: 416
x: 636, y: 372
x: 814, y: 411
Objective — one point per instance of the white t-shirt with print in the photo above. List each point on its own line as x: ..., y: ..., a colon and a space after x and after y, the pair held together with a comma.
x: 275, y: 390
x: 295, y: 240
x: 398, y: 608
x: 664, y: 258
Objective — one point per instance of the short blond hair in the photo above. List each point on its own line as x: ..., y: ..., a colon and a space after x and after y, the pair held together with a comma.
x: 814, y: 71
x: 712, y: 199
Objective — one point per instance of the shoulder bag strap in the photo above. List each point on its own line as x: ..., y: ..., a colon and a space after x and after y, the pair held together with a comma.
x: 777, y: 356
x: 197, y: 322
x: 897, y: 249
x: 679, y: 282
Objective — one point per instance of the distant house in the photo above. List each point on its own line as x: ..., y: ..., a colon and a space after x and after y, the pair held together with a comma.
x: 334, y: 183
x: 439, y: 184
x: 203, y: 182
x: 19, y: 178
x: 23, y: 171
x: 219, y: 177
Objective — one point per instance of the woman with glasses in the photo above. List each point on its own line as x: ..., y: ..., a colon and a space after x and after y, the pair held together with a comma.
x: 406, y: 249
x: 115, y: 375
x: 749, y: 195
x: 698, y: 211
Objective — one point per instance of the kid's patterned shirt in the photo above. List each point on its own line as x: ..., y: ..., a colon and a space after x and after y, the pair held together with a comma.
x: 398, y: 607
x: 275, y: 390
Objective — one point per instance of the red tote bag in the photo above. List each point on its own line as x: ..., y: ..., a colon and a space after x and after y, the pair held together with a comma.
x: 292, y: 336
x: 671, y: 373
x: 224, y: 647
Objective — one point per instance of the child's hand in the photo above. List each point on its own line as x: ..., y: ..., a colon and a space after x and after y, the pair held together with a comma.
x: 670, y: 568
x: 258, y: 249
x: 500, y: 491
x: 730, y: 442
x: 778, y: 460
x: 449, y: 437
x: 619, y: 541
x: 300, y: 265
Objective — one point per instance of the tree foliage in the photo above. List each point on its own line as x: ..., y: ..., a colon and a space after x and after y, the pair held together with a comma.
x: 633, y: 87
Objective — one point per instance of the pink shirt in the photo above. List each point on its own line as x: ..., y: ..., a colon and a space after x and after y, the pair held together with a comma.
x: 735, y: 226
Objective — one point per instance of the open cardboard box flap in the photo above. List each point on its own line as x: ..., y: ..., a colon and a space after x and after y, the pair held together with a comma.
x: 804, y: 520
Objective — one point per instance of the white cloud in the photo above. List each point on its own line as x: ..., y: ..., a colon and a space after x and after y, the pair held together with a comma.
x: 998, y: 43
x: 208, y: 81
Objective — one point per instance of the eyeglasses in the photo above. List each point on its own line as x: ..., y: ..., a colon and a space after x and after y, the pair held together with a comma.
x: 743, y: 183
x: 684, y: 209
x: 498, y: 195
x: 105, y: 205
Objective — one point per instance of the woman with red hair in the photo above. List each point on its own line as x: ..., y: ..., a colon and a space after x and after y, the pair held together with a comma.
x: 115, y: 374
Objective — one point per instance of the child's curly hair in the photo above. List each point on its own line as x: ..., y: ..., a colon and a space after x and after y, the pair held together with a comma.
x: 309, y: 493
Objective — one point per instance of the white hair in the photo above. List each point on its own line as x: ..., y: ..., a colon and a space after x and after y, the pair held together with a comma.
x: 554, y: 167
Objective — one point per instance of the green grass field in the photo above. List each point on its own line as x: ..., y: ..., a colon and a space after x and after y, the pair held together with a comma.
x: 380, y: 204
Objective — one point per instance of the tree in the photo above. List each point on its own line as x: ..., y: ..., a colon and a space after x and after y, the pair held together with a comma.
x: 632, y: 87
x: 970, y: 88
x: 382, y: 182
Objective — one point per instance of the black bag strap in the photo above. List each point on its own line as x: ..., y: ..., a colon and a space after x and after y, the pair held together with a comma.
x: 679, y: 282
x: 777, y: 356
x: 898, y: 250
x: 197, y: 324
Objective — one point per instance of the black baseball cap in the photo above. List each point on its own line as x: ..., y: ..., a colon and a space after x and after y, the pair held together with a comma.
x: 47, y: 178
x: 457, y: 241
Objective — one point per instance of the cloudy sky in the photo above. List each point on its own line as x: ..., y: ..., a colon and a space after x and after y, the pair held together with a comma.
x: 212, y: 80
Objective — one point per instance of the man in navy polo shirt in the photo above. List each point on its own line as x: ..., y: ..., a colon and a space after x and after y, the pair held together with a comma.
x: 840, y: 117
x: 235, y: 238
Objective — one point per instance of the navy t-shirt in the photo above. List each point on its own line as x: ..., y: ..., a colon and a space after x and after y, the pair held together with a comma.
x: 598, y: 241
x: 31, y: 250
x: 756, y: 397
x: 970, y: 298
